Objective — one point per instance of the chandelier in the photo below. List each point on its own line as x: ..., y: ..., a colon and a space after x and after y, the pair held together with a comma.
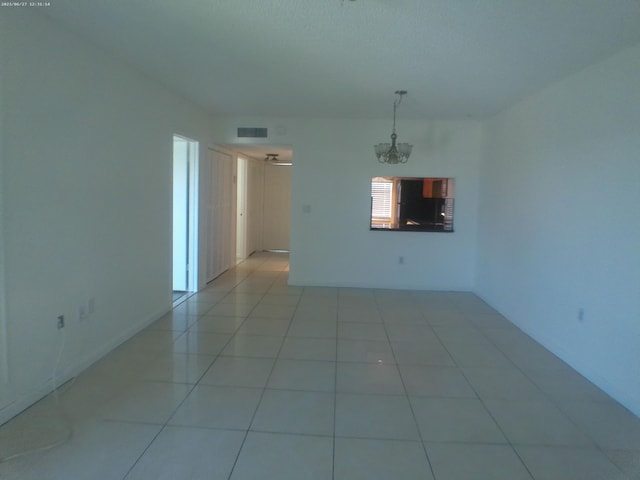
x: 394, y: 153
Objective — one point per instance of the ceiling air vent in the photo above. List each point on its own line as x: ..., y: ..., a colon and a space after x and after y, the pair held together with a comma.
x: 252, y: 132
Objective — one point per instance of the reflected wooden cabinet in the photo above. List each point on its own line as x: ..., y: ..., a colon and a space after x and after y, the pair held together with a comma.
x: 434, y: 188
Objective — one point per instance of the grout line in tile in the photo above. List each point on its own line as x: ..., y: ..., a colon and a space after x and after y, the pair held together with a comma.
x: 255, y: 411
x: 406, y: 395
x: 481, y: 400
x: 193, y: 387
x: 274, y: 276
x: 544, y: 394
x: 144, y: 451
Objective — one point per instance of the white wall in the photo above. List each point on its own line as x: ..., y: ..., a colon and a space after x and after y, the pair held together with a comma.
x: 255, y: 214
x: 87, y: 147
x: 277, y: 208
x: 559, y: 224
x: 333, y: 166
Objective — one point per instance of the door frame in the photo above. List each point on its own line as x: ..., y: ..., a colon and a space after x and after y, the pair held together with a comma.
x: 192, y: 178
x: 4, y: 342
x: 242, y: 171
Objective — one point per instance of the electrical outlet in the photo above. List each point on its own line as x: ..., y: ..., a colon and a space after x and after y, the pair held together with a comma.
x: 581, y: 315
x: 81, y: 313
x: 401, y: 260
x: 60, y: 321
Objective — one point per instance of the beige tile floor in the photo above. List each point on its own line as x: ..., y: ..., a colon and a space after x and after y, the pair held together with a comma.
x: 253, y: 379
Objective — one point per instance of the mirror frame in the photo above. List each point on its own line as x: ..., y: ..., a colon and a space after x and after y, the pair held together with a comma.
x: 412, y: 204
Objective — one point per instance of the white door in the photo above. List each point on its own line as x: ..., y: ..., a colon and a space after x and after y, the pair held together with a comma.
x: 241, y: 209
x: 220, y: 249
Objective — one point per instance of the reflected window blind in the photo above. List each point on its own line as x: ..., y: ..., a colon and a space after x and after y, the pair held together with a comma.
x: 381, y: 200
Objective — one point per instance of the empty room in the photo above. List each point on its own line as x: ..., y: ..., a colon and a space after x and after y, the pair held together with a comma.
x: 348, y: 239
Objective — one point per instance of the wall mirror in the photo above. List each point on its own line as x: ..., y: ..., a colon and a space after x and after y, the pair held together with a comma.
x: 412, y: 204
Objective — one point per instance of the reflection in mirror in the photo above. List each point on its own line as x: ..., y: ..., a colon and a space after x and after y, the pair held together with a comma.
x: 412, y: 204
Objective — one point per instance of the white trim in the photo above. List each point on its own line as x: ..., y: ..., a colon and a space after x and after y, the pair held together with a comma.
x: 194, y: 214
x: 192, y: 166
x: 7, y: 412
x: 4, y: 344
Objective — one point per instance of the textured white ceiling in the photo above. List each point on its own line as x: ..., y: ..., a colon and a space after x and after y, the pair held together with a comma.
x: 328, y: 58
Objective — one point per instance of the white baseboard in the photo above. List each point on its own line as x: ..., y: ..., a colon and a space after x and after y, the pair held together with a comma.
x: 15, y: 406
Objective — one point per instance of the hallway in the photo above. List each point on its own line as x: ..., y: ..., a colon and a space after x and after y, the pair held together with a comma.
x: 253, y: 379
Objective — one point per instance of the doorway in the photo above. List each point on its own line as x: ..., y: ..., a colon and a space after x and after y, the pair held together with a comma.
x: 4, y: 343
x: 185, y: 214
x: 241, y: 209
x: 262, y: 210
